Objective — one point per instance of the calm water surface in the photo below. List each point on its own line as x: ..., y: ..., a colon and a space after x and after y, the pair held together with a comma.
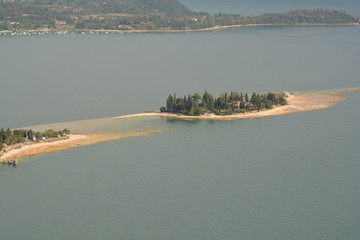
x: 285, y: 177
x: 293, y: 176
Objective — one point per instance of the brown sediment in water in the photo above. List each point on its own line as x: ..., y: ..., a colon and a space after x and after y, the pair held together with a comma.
x: 20, y: 150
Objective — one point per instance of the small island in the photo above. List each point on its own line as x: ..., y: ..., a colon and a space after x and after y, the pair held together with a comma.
x: 225, y: 104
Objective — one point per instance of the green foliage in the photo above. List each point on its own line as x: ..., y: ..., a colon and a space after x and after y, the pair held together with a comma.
x: 41, y: 13
x: 52, y: 133
x: 66, y: 131
x: 223, y: 105
x: 9, y: 137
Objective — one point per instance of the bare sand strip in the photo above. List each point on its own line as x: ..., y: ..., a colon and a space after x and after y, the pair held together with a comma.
x: 20, y: 150
x: 297, y: 102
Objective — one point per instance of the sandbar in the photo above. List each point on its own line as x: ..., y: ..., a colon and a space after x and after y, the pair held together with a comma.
x: 297, y: 102
x: 16, y: 151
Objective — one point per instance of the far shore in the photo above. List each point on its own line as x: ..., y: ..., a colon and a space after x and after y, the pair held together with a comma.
x: 167, y: 30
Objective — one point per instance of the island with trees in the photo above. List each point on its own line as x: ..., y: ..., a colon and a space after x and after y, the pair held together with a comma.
x: 225, y: 104
x: 142, y: 15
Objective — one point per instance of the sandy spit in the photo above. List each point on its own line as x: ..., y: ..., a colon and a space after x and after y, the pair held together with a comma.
x: 72, y: 141
x: 297, y: 102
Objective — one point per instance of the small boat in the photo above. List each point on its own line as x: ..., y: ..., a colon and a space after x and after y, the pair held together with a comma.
x: 149, y: 111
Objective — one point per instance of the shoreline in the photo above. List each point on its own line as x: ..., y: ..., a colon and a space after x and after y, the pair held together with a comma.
x: 214, y: 28
x: 63, y: 31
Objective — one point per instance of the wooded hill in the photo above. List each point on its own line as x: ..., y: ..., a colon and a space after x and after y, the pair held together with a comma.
x: 72, y: 15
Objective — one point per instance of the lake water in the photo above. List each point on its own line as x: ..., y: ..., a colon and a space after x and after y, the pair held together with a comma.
x: 284, y: 177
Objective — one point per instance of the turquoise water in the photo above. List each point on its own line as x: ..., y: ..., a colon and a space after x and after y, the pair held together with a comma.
x: 283, y: 177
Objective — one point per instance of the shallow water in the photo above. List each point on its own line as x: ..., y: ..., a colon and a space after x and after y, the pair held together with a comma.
x: 283, y: 177
x: 105, y: 125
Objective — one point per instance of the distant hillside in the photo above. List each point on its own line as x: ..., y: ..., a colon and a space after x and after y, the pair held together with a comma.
x: 124, y: 15
x: 127, y: 6
x: 93, y: 6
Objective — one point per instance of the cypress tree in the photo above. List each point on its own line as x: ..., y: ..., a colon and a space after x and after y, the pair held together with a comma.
x: 174, y: 102
x: 253, y: 98
x: 169, y: 103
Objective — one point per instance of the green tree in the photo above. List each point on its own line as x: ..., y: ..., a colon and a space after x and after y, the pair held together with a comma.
x: 208, y: 101
x: 170, y: 103
x: 192, y: 111
x: 196, y: 97
x: 30, y: 134
x: 66, y: 131
x: 246, y: 97
x: 38, y: 136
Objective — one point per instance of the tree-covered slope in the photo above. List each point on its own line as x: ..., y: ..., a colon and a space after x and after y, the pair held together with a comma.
x: 95, y: 6
x: 34, y: 14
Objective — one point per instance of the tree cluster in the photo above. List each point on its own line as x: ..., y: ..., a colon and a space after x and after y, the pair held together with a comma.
x: 299, y: 16
x: 8, y: 137
x: 225, y: 104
